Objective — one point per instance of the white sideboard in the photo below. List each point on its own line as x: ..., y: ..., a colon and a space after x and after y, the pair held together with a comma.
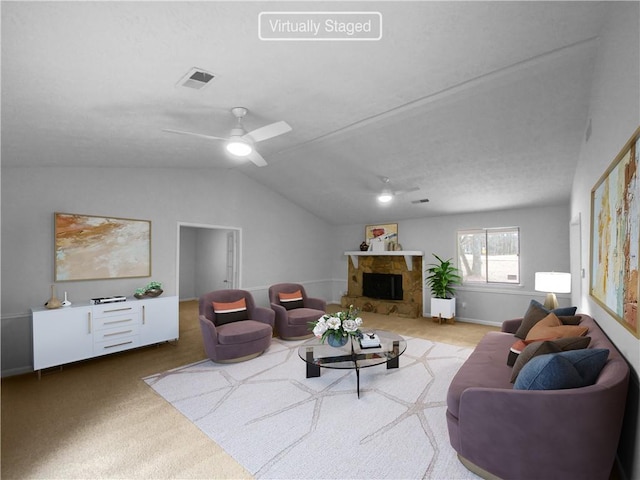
x: 83, y: 331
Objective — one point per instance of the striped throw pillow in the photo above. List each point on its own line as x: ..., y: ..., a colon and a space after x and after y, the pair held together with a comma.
x: 291, y: 300
x: 230, y: 312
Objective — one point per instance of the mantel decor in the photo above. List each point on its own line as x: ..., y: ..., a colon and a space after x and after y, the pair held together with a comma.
x: 615, y: 237
x: 386, y: 232
x: 89, y: 247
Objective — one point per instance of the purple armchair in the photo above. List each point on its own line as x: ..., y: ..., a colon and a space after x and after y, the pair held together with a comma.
x: 293, y: 311
x: 236, y: 329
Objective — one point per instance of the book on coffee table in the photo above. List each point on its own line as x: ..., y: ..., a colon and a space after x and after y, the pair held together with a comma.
x: 369, y: 340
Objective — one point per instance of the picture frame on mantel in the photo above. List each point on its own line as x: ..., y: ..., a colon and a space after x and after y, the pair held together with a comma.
x: 615, y: 237
x: 386, y: 229
x: 89, y: 247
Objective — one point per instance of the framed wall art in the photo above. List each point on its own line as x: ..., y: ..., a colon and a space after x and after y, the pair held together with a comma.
x: 89, y: 247
x: 615, y: 237
x: 374, y: 231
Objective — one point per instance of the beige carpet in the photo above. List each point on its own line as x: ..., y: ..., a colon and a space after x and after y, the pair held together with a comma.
x: 98, y: 419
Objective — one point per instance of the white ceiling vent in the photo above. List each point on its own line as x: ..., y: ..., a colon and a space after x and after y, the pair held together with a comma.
x: 196, y: 78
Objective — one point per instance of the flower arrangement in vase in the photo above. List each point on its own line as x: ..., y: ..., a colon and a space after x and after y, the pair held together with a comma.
x: 337, y: 328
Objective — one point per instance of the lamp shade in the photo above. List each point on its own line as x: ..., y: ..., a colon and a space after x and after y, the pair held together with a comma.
x: 553, y: 282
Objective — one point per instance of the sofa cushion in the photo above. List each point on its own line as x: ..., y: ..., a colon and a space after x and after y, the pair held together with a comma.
x: 551, y: 327
x: 291, y: 300
x: 302, y: 316
x: 537, y: 312
x: 542, y: 347
x: 555, y: 371
x: 485, y: 367
x: 235, y: 333
x: 227, y: 312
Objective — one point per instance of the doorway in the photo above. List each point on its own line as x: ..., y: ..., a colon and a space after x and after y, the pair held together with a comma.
x: 208, y: 259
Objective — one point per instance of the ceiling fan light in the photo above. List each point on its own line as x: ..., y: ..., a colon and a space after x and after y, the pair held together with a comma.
x: 239, y: 148
x: 385, y: 197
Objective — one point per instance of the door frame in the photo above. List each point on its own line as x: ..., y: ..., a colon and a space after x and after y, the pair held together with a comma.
x: 238, y: 257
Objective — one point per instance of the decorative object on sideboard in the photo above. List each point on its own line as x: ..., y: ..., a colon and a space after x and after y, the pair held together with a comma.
x: 153, y: 289
x: 441, y: 278
x: 53, y: 302
x: 552, y: 283
x: 66, y: 302
x: 105, y: 300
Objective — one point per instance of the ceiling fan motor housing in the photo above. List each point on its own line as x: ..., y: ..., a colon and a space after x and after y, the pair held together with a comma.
x: 239, y: 112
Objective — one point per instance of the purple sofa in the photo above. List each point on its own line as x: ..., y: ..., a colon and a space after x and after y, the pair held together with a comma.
x: 235, y: 340
x: 535, y: 434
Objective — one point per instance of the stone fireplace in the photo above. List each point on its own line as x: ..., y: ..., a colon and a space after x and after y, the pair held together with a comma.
x: 408, y: 264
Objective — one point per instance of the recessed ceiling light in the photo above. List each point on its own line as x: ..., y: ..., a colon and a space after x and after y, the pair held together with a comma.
x: 196, y: 78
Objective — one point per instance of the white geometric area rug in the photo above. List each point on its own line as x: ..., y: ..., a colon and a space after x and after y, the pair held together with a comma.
x: 278, y: 424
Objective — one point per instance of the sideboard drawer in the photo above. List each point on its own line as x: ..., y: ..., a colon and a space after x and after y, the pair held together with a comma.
x: 119, y: 321
x: 116, y: 344
x: 117, y: 333
x: 115, y: 309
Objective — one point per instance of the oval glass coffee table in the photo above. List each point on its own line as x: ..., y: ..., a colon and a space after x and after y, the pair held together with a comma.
x: 352, y: 356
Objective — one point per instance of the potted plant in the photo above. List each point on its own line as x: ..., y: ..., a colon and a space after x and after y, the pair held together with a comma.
x: 441, y: 278
x: 154, y: 289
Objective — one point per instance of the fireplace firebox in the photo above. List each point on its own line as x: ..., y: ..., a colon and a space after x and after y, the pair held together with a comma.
x: 385, y: 286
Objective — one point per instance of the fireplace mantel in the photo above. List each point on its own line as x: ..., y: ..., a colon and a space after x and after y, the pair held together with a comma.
x: 407, y: 254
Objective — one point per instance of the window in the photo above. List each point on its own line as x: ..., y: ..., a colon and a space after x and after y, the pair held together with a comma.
x: 489, y: 255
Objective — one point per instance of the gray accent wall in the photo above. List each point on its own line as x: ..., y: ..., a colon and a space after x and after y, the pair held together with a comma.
x: 614, y: 115
x: 544, y: 246
x: 280, y: 241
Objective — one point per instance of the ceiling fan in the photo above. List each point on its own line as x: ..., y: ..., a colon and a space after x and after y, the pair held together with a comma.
x: 240, y: 143
x: 387, y: 194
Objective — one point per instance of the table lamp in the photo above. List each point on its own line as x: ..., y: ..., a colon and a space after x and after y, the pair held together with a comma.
x: 552, y: 283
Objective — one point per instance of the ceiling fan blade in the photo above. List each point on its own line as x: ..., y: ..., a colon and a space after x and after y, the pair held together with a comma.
x: 257, y: 159
x: 269, y: 131
x: 408, y: 190
x: 208, y: 137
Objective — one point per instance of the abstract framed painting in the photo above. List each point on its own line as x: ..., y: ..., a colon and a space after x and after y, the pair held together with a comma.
x: 89, y: 247
x: 615, y: 237
x: 389, y: 230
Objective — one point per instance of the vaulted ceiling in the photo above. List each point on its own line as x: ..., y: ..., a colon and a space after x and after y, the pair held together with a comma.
x: 482, y: 105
